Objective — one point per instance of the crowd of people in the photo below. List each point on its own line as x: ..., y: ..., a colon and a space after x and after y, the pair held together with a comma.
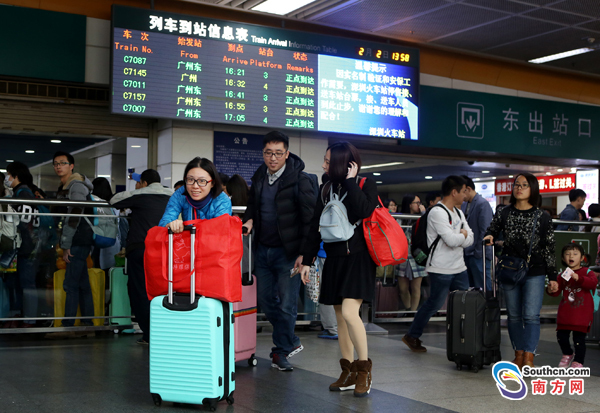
x: 284, y: 206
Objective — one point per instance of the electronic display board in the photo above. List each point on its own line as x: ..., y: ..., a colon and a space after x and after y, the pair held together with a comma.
x: 172, y: 66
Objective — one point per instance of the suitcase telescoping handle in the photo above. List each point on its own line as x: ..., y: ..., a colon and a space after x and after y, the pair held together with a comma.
x: 245, y: 233
x: 492, y: 267
x: 192, y: 230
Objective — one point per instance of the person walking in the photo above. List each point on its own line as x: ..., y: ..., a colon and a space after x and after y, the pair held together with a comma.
x: 348, y: 277
x: 524, y: 302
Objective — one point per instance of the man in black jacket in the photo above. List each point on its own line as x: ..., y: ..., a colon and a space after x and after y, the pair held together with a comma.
x: 280, y: 208
x: 147, y: 206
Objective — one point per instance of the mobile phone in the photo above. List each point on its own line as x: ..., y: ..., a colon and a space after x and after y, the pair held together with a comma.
x: 294, y: 271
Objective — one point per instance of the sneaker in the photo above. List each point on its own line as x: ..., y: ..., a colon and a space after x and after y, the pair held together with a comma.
x: 414, y: 344
x: 576, y: 364
x: 142, y: 342
x: 281, y: 363
x: 566, y: 360
x: 295, y: 351
x: 328, y: 335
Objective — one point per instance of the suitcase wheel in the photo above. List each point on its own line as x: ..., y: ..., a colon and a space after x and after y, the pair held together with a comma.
x: 212, y: 406
x: 476, y: 368
x: 229, y: 400
x: 252, y: 361
x: 458, y: 366
x: 157, y: 399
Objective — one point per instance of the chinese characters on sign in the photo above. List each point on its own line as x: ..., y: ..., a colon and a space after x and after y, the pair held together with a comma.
x: 548, y: 184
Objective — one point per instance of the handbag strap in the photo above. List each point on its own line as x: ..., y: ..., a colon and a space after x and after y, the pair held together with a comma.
x: 532, y: 234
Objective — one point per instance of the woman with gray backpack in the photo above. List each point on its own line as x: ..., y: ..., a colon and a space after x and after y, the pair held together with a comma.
x: 348, y: 276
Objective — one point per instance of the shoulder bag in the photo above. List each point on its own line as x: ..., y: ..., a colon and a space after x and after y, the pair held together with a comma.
x: 513, y: 270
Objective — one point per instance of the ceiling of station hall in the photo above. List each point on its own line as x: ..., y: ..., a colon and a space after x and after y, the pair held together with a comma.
x: 515, y: 29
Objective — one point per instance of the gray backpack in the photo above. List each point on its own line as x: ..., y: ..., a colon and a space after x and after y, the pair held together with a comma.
x: 334, y: 224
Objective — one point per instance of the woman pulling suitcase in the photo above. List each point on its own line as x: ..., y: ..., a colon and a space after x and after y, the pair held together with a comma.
x: 349, y: 273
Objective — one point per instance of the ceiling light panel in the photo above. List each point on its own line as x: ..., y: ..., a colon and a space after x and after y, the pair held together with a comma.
x: 281, y: 7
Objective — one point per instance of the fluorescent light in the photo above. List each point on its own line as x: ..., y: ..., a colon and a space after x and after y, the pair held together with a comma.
x: 29, y: 151
x: 3, y: 170
x: 103, y: 176
x: 562, y: 55
x: 136, y: 146
x: 376, y: 173
x: 429, y: 177
x: 511, y: 176
x: 280, y: 6
x: 378, y: 182
x: 167, y: 179
x: 559, y: 170
x: 9, y: 160
x: 55, y: 141
x: 381, y: 165
x: 477, y: 179
x: 485, y: 172
x: 573, y: 169
x: 493, y: 177
x: 548, y: 173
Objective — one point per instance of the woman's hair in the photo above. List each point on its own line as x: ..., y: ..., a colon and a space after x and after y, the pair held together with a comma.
x: 341, y: 154
x: 102, y: 189
x: 209, y: 167
x: 407, y: 199
x: 386, y: 203
x: 20, y: 171
x: 237, y: 188
x: 534, y: 195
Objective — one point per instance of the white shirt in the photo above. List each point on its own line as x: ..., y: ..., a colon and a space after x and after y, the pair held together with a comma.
x: 448, y: 257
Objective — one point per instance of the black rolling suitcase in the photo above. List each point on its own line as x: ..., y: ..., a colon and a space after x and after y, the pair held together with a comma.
x: 473, y: 326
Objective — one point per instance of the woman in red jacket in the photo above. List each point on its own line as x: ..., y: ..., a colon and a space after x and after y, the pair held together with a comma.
x: 576, y: 309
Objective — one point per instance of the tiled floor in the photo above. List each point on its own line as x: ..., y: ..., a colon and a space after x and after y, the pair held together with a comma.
x: 109, y: 373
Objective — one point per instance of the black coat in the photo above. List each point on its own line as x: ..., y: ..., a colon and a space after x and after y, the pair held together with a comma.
x: 360, y: 204
x: 294, y: 201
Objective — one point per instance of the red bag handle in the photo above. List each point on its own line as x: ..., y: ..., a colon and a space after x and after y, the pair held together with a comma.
x: 362, y: 183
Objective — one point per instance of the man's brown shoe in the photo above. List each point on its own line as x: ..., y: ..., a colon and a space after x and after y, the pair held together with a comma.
x: 414, y: 344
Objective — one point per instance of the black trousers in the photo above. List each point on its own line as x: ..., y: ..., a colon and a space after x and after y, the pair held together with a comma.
x: 565, y: 345
x: 136, y: 285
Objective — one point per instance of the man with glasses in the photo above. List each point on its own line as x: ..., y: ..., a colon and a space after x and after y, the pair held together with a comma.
x: 76, y: 241
x: 280, y: 208
x: 147, y: 204
x: 479, y: 216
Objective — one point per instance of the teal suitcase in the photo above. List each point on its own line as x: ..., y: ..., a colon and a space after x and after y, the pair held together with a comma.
x: 119, y: 297
x: 192, y: 356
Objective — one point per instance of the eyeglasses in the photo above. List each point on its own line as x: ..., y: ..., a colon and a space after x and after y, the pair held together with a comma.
x: 519, y: 186
x: 60, y: 164
x: 278, y: 155
x: 200, y: 182
x: 416, y: 202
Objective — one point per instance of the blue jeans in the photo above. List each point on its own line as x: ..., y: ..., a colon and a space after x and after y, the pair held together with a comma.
x: 27, y: 269
x: 475, y: 271
x: 441, y: 284
x: 77, y: 287
x: 523, y: 305
x: 278, y: 295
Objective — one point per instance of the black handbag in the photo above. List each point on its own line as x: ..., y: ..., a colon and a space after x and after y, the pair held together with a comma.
x: 513, y: 270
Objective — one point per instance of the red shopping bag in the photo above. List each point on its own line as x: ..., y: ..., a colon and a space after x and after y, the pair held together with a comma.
x: 385, y: 238
x: 218, y: 255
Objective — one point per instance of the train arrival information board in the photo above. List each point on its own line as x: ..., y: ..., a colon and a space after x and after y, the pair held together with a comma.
x: 173, y: 66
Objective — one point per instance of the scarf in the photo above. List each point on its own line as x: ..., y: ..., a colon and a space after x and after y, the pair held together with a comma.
x: 198, y: 205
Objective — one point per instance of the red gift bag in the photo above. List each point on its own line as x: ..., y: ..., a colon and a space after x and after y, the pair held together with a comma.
x: 218, y: 255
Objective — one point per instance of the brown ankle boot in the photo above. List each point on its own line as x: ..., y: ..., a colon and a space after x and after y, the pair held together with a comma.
x: 528, y: 359
x: 347, y: 379
x: 518, y: 359
x: 363, y: 377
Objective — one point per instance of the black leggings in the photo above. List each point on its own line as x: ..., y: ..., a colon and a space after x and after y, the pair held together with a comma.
x: 565, y: 345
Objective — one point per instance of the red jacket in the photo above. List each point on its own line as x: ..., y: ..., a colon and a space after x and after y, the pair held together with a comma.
x: 578, y: 314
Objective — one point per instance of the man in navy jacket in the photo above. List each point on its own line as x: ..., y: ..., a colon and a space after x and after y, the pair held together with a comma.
x: 479, y: 216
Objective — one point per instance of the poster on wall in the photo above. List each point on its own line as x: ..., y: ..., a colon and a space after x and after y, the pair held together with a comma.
x: 588, y: 181
x: 238, y: 153
x: 486, y: 190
